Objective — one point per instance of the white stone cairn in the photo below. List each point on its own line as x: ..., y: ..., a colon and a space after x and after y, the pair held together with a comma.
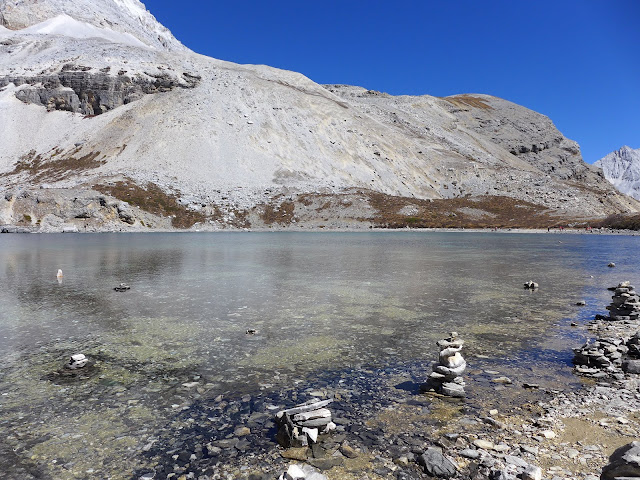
x: 446, y: 377
x: 77, y: 361
x: 625, y: 304
x: 300, y: 426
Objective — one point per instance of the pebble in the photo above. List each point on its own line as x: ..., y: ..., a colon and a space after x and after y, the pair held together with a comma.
x: 502, y: 380
x: 483, y: 444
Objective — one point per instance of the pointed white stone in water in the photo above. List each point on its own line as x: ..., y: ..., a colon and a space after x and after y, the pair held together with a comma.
x: 294, y: 472
x: 312, y: 433
x: 329, y: 427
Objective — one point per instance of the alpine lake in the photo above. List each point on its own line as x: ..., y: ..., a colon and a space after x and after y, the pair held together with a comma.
x: 219, y: 331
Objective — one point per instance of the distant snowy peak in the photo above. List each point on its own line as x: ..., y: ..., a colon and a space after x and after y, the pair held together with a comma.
x: 128, y: 17
x: 622, y: 169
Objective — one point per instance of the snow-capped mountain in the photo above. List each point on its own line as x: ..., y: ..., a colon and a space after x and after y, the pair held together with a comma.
x: 622, y: 169
x: 96, y: 94
x: 124, y: 16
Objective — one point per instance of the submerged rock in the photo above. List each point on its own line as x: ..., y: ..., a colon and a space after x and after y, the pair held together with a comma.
x: 123, y: 287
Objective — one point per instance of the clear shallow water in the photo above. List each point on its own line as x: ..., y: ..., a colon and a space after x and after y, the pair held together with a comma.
x: 318, y: 301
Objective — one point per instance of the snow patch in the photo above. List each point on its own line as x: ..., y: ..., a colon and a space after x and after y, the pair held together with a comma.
x: 66, y: 26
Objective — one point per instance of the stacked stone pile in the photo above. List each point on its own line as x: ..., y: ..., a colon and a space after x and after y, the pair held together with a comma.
x: 633, y: 344
x: 446, y: 377
x: 300, y: 426
x: 604, y: 353
x: 625, y: 304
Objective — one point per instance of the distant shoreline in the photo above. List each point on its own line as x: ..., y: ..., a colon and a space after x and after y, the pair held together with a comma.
x: 13, y: 229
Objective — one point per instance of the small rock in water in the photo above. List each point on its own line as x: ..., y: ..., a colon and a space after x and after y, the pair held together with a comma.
x: 530, y: 285
x: 77, y: 361
x: 251, y: 331
x: 611, y: 265
x: 581, y: 303
x: 123, y: 287
x: 502, y: 380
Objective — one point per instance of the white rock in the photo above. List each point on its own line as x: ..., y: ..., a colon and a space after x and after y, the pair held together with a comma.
x: 312, y: 433
x: 77, y: 361
x: 483, y: 444
x: 532, y: 472
x: 294, y: 472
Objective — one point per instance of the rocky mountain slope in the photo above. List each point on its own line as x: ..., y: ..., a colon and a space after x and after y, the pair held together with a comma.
x: 108, y: 122
x: 622, y: 169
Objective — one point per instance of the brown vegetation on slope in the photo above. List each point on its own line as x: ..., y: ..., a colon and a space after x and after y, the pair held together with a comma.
x: 153, y: 199
x: 55, y: 165
x: 478, y: 212
x: 468, y: 100
x: 620, y: 222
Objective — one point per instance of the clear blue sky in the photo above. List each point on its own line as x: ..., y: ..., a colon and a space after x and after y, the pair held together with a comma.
x: 577, y: 61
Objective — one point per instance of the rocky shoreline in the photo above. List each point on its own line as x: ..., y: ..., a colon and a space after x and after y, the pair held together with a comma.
x: 386, y: 428
x: 9, y: 229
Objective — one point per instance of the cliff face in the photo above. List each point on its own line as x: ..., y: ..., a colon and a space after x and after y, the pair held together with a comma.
x: 622, y: 169
x: 113, y: 114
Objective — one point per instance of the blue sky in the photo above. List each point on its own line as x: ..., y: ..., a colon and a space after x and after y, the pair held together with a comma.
x: 577, y: 61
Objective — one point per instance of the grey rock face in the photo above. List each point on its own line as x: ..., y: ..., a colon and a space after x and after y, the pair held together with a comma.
x: 624, y: 462
x: 76, y: 90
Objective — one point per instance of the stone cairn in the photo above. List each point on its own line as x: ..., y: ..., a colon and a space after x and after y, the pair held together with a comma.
x: 446, y: 377
x: 301, y: 425
x: 626, y: 303
x: 603, y: 354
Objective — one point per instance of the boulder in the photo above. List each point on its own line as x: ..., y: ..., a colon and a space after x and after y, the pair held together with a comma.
x: 436, y: 464
x: 624, y: 462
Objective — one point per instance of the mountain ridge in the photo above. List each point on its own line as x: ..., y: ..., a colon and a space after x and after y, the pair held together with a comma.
x: 230, y: 145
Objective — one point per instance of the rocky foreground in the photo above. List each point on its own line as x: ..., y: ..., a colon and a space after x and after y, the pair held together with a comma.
x: 381, y: 427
